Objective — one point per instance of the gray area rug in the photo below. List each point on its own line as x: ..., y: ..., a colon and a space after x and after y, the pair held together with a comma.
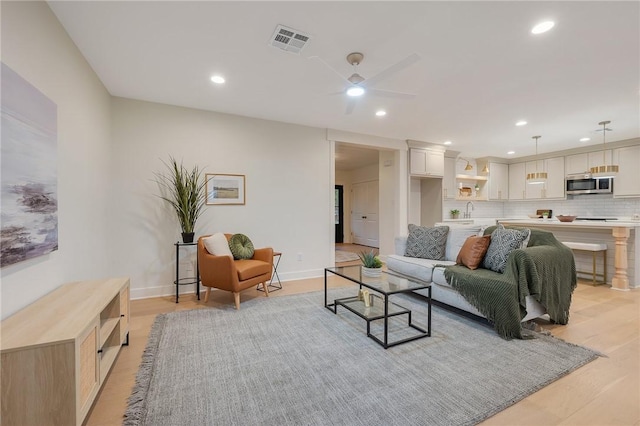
x: 289, y: 361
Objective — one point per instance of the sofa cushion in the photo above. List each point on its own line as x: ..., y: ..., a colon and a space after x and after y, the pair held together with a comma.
x: 241, y: 246
x: 420, y: 269
x: 456, y: 238
x: 250, y: 268
x: 217, y: 245
x: 427, y: 243
x: 473, y: 251
x: 503, y: 242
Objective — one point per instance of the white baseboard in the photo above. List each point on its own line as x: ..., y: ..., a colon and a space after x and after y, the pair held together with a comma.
x: 170, y: 289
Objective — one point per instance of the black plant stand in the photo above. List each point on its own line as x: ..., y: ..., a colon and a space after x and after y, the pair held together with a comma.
x: 188, y: 280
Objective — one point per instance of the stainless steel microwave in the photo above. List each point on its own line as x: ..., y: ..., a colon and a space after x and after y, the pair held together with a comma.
x: 585, y: 183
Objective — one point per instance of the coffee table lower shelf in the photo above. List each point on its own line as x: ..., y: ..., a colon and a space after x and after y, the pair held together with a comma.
x: 380, y: 309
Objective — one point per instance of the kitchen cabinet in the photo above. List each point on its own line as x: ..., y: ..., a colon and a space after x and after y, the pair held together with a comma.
x: 553, y: 188
x: 627, y: 182
x: 517, y: 181
x: 581, y: 163
x: 449, y: 190
x: 498, y: 182
x: 426, y: 162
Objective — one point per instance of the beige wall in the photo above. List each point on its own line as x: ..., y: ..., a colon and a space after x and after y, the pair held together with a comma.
x: 35, y: 45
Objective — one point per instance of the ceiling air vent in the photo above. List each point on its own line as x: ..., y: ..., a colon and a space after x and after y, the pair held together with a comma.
x: 288, y: 39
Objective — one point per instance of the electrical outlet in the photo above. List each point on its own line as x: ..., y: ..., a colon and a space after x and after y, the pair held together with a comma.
x: 299, y: 257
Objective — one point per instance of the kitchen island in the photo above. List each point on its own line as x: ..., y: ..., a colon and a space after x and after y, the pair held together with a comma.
x: 616, y: 233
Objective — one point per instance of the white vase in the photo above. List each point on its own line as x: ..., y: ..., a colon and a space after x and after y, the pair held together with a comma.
x: 371, y: 272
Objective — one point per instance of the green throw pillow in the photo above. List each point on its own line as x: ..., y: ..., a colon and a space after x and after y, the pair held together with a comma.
x: 241, y: 246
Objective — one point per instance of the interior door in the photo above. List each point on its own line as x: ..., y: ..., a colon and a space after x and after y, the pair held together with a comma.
x: 364, y: 213
x: 339, y: 213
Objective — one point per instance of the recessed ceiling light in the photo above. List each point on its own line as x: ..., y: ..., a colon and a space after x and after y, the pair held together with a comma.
x: 447, y: 142
x: 521, y: 123
x: 511, y: 152
x: 381, y: 113
x: 542, y: 27
x: 584, y: 139
x: 355, y: 91
x: 217, y: 79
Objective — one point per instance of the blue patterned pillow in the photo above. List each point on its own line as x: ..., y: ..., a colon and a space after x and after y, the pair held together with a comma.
x: 503, y: 242
x: 427, y: 243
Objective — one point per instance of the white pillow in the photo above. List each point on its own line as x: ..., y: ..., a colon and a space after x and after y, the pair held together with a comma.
x: 217, y: 245
x: 456, y: 238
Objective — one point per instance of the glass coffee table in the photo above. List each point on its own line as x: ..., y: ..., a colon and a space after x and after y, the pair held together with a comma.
x: 380, y: 308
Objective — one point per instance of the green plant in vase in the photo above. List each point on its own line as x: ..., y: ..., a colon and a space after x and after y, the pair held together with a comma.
x: 371, y: 264
x: 454, y: 213
x: 185, y: 191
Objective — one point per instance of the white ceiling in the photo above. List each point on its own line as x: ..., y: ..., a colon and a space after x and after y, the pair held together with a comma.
x: 480, y: 69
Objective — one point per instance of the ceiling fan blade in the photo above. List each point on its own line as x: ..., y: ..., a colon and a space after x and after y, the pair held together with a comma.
x: 390, y: 94
x: 351, y: 104
x: 409, y: 60
x: 331, y: 68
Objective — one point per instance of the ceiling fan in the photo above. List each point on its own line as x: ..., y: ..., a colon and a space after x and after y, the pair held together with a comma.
x: 357, y: 85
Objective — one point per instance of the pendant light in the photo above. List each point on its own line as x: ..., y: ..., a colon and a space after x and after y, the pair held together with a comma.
x: 485, y: 169
x: 537, y: 177
x: 604, y: 170
x: 468, y: 167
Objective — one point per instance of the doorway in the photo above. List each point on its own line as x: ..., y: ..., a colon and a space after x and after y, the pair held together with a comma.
x: 339, y: 214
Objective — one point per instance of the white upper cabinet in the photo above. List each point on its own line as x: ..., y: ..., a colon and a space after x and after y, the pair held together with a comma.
x: 581, y: 163
x: 577, y: 163
x: 554, y: 188
x: 426, y: 162
x: 449, y: 181
x: 627, y: 183
x: 498, y: 181
x: 517, y: 176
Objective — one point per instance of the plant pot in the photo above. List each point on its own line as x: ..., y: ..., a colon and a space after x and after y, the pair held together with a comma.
x: 187, y: 237
x: 455, y: 216
x: 371, y: 272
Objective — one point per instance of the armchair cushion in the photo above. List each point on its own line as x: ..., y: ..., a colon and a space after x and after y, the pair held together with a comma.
x: 250, y: 268
x: 241, y: 246
x: 217, y: 245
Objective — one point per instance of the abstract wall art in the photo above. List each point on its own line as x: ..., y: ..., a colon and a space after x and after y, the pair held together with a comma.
x: 28, y: 149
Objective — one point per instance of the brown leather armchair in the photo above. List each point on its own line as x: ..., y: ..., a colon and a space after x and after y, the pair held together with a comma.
x: 225, y: 273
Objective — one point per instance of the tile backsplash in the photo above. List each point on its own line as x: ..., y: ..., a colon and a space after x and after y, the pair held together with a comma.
x: 600, y: 205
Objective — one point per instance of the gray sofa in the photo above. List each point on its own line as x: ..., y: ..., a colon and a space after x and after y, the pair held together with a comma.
x: 425, y: 270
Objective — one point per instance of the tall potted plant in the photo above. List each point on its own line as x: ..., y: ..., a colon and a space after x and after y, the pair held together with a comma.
x: 185, y: 191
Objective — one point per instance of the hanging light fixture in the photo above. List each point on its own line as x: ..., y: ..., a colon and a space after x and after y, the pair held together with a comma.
x: 604, y: 170
x: 468, y: 167
x: 537, y: 177
x: 485, y: 169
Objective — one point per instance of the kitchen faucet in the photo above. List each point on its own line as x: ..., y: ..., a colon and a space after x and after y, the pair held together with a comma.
x: 467, y: 215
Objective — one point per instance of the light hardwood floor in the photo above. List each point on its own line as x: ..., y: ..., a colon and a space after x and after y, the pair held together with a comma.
x: 604, y: 392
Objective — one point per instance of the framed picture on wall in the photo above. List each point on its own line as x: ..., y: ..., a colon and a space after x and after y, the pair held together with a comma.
x: 225, y: 189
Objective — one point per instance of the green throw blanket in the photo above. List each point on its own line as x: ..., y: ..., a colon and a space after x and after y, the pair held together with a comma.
x: 545, y: 270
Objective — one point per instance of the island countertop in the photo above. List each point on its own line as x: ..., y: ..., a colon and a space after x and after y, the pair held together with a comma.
x: 575, y: 224
x: 624, y: 242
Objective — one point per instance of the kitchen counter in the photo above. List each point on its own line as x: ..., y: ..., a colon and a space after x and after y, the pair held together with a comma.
x: 625, y: 241
x: 575, y: 224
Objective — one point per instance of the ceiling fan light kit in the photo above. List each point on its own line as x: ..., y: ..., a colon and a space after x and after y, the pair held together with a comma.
x: 536, y: 177
x: 605, y: 170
